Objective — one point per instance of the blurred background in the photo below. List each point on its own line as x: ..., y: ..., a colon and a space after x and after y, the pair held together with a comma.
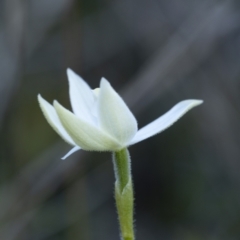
x: 155, y: 53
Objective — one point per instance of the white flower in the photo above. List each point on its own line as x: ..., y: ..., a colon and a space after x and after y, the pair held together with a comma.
x: 101, y: 121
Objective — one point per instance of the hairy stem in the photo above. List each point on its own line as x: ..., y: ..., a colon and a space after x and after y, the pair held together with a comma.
x: 124, y: 193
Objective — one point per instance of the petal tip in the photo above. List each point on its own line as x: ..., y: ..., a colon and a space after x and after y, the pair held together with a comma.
x: 74, y: 79
x: 56, y: 104
x: 69, y: 71
x: 104, y: 82
x: 71, y: 74
x: 198, y: 102
x: 73, y: 150
x: 39, y: 97
x: 42, y: 101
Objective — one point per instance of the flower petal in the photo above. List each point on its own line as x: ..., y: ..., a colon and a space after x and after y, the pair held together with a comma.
x: 52, y: 118
x: 114, y: 115
x: 165, y: 121
x: 86, y: 135
x: 73, y: 150
x: 81, y: 96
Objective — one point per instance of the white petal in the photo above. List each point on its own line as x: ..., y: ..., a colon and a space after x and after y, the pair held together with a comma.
x: 52, y: 118
x: 84, y: 134
x: 81, y: 96
x: 114, y: 115
x: 73, y: 150
x: 165, y: 121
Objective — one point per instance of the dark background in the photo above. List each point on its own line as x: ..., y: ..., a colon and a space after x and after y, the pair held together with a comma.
x: 155, y: 53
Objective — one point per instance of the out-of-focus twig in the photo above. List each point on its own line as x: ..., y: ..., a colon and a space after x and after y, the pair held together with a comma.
x: 181, y: 55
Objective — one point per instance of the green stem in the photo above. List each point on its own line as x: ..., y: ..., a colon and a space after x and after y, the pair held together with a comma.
x: 124, y: 193
x: 121, y: 161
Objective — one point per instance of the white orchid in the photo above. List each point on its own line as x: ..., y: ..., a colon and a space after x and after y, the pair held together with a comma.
x: 101, y: 121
